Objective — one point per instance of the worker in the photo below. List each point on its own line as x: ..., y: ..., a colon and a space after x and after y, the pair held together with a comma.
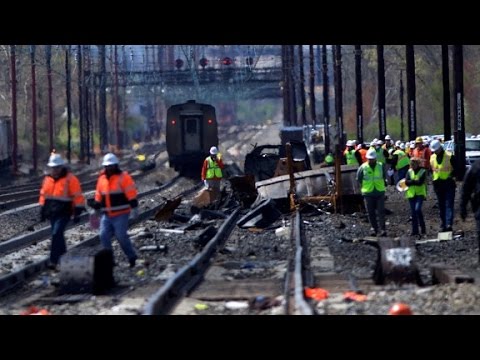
x: 212, y: 170
x: 116, y: 198
x: 471, y: 193
x: 329, y: 160
x: 416, y: 193
x: 61, y: 198
x: 443, y: 167
x: 372, y: 178
x: 352, y: 157
x: 423, y: 152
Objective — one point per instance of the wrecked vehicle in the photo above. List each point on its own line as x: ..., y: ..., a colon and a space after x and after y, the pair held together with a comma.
x: 263, y: 161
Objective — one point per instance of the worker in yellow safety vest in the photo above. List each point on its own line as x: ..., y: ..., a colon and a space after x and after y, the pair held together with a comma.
x: 372, y: 178
x: 416, y: 193
x: 212, y: 169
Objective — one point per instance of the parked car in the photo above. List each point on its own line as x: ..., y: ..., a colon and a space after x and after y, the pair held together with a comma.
x: 472, y: 149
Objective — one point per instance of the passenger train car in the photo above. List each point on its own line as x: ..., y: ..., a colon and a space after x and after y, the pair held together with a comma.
x: 5, y: 141
x: 190, y: 132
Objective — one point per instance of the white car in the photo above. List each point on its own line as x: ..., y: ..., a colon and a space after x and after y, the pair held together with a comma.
x: 472, y: 150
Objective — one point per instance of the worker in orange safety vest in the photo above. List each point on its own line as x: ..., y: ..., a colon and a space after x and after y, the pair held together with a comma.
x: 60, y: 199
x: 116, y: 198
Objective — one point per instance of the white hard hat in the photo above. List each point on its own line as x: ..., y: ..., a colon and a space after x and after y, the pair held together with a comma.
x: 350, y: 143
x: 412, y: 146
x: 55, y: 160
x: 402, y: 146
x: 379, y: 142
x: 109, y: 159
x: 388, y: 137
x: 397, y: 143
x: 371, y: 154
x: 213, y: 150
x: 435, y: 145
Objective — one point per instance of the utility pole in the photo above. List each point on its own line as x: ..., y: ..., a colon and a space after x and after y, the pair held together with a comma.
x: 293, y: 96
x: 339, y: 94
x: 411, y: 98
x: 326, y: 99
x: 80, y: 102
x: 358, y: 92
x: 302, y: 85
x: 402, y: 131
x: 286, y: 86
x: 115, y: 94
x: 447, y: 127
x: 86, y: 101
x: 313, y: 115
x: 51, y: 129
x: 459, y: 109
x: 102, y: 98
x: 382, y: 124
x: 68, y: 89
x: 34, y: 108
x: 13, y: 72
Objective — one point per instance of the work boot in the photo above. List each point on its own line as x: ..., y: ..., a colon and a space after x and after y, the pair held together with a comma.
x: 132, y: 262
x: 373, y: 232
x: 383, y: 233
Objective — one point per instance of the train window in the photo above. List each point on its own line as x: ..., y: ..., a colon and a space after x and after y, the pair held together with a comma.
x: 191, y: 125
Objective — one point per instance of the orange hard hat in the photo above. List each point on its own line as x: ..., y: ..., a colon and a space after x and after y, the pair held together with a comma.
x: 400, y: 309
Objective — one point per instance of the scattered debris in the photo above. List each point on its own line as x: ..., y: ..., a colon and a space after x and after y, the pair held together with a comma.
x: 262, y: 216
x: 236, y: 305
x: 316, y: 293
x: 400, y: 309
x: 166, y: 212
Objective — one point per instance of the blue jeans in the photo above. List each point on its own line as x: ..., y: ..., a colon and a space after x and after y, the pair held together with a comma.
x: 58, y: 246
x: 417, y: 215
x: 446, y: 198
x: 118, y: 226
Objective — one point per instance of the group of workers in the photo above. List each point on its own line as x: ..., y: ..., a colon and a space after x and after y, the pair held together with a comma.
x: 414, y: 168
x: 61, y: 199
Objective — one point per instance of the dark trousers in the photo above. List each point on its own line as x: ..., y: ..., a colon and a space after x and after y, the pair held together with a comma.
x: 401, y: 173
x: 446, y: 198
x: 376, y: 207
x: 417, y: 215
x: 477, y: 218
x: 58, y: 247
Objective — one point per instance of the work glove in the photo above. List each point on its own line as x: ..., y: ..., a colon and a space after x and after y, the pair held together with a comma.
x: 134, y: 214
x: 219, y: 156
x: 94, y: 204
x: 76, y: 214
x: 42, y: 214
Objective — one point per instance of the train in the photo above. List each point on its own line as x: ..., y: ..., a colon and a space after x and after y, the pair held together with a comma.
x: 5, y: 141
x: 191, y: 130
